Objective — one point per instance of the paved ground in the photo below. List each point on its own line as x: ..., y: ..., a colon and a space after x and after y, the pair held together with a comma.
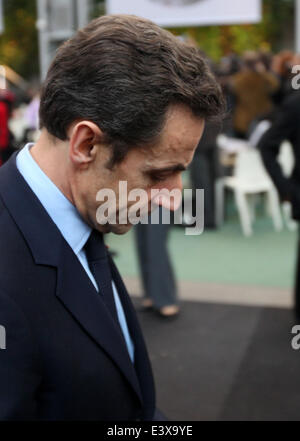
x: 225, y: 293
x: 225, y: 362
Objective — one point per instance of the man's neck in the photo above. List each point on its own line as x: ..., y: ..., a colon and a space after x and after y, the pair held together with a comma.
x: 51, y: 157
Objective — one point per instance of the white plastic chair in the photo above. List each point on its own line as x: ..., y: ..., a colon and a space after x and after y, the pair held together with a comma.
x: 231, y: 145
x: 250, y: 179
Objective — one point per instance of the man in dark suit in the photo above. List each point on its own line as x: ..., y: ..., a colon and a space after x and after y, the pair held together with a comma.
x: 123, y: 101
x: 286, y: 126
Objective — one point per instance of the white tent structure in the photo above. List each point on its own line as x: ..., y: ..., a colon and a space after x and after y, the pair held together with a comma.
x: 190, y: 12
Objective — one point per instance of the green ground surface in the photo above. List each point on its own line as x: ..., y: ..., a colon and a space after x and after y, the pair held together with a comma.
x: 267, y: 258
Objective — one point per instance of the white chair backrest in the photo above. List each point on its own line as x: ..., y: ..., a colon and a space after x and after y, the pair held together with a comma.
x: 249, y: 168
x: 231, y: 145
x: 258, y: 132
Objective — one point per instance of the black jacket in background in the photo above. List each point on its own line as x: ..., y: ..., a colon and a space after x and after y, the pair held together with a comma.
x: 286, y: 126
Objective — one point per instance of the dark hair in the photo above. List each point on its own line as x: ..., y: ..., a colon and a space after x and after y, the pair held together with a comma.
x: 123, y: 72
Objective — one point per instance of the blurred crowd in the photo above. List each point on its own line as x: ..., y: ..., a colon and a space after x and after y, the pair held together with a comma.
x: 19, y: 120
x: 255, y: 86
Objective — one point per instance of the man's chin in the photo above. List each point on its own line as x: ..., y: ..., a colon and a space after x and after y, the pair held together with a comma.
x: 115, y: 228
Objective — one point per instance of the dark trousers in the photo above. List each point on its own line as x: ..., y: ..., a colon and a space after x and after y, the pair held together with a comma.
x: 203, y: 176
x: 156, y: 269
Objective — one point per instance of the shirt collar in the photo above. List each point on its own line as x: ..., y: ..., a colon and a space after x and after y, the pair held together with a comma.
x: 63, y: 213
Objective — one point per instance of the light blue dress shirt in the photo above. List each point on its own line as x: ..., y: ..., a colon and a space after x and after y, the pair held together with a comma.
x: 67, y: 219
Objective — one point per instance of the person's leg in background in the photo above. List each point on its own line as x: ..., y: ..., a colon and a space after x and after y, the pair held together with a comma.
x: 156, y: 270
x: 202, y: 177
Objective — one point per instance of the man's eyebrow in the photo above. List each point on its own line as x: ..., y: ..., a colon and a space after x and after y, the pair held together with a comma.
x: 172, y: 168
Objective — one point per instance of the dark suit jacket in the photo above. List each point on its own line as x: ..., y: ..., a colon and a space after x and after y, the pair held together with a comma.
x: 286, y: 126
x: 65, y: 359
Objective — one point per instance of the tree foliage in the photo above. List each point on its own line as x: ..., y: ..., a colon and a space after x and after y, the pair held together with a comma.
x: 216, y: 41
x: 19, y: 42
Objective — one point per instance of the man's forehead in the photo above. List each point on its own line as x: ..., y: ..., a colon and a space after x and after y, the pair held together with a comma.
x: 172, y: 150
x: 175, y: 145
x: 180, y: 135
x: 168, y: 162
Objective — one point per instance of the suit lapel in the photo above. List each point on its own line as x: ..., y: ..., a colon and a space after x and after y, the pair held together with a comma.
x: 142, y: 362
x: 78, y: 294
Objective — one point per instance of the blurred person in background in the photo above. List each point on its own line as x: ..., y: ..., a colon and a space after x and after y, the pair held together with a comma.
x: 205, y: 168
x: 228, y: 66
x: 6, y: 137
x: 253, y: 88
x: 286, y: 126
x: 158, y: 278
x: 31, y: 115
x: 282, y: 67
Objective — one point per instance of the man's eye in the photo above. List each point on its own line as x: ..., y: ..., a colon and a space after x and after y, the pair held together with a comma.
x: 159, y: 178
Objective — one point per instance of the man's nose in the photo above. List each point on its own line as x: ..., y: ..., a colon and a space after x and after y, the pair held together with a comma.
x: 178, y: 181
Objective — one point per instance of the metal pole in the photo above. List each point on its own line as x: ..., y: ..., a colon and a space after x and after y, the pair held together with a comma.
x: 42, y: 25
x: 82, y: 13
x: 49, y: 36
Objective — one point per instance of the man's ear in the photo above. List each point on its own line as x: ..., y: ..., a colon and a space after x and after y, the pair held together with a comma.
x: 84, y: 137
